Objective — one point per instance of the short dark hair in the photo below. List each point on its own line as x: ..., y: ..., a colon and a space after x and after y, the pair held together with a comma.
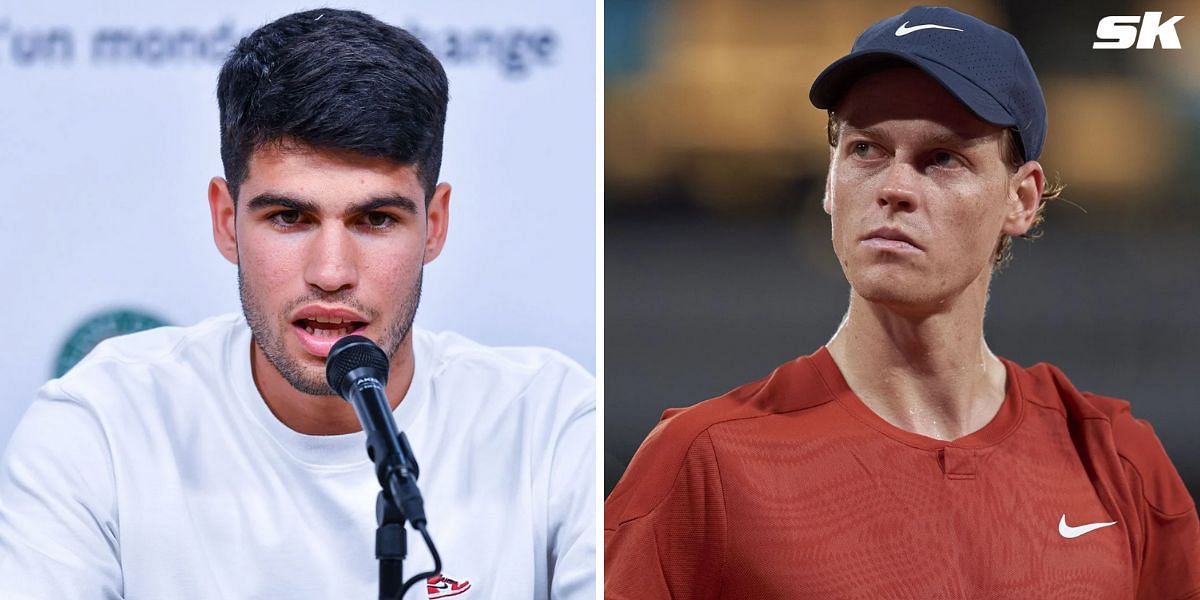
x: 336, y: 79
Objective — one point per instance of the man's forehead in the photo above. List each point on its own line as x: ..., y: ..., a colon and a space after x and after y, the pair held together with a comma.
x: 905, y: 94
x: 327, y: 179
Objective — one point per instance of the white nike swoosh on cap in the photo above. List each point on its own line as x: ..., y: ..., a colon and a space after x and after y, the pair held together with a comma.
x: 905, y: 29
x: 1073, y: 532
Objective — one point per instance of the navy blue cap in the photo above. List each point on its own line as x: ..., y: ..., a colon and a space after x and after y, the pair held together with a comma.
x: 980, y: 64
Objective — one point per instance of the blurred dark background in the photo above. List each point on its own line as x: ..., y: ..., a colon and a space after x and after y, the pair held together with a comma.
x: 717, y: 258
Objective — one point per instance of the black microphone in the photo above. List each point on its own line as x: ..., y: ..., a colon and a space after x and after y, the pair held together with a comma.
x: 357, y: 370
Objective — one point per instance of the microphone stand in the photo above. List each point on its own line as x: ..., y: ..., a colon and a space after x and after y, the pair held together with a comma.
x: 391, y: 539
x: 357, y: 370
x: 397, y: 476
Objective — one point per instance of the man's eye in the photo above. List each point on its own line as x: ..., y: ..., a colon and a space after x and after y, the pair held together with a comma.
x: 862, y: 149
x: 380, y: 220
x: 286, y: 217
x: 945, y: 159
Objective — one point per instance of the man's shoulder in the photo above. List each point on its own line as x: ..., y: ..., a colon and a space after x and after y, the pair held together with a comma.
x: 1101, y: 422
x: 160, y: 343
x: 449, y: 350
x: 1046, y: 385
x: 462, y: 367
x: 794, y: 386
x: 1144, y: 456
x: 682, y: 433
x: 151, y: 355
x: 135, y: 380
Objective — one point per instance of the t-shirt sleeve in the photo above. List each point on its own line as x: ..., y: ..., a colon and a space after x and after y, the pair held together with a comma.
x: 665, y: 523
x: 58, y: 519
x: 573, y: 500
x: 1170, y: 562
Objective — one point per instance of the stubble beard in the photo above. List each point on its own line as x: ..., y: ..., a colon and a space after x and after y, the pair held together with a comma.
x: 270, y: 339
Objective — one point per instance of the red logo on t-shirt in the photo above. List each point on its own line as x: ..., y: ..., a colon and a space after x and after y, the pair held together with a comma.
x: 444, y: 587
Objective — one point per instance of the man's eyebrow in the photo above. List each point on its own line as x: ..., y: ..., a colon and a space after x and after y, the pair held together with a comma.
x: 955, y: 140
x: 269, y: 200
x: 401, y: 202
x: 871, y: 132
x: 946, y: 139
x: 263, y: 201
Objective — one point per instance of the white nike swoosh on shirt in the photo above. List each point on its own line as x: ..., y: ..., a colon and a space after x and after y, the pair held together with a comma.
x: 1073, y: 532
x: 905, y: 29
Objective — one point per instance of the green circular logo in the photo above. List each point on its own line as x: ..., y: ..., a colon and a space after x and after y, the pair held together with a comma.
x: 99, y: 327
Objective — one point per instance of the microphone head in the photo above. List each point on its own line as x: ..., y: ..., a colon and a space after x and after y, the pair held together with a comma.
x: 351, y: 353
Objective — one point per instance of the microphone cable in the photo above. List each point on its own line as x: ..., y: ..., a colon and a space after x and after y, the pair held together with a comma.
x: 437, y: 563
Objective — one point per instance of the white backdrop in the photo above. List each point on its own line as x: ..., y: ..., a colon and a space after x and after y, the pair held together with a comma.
x: 109, y: 135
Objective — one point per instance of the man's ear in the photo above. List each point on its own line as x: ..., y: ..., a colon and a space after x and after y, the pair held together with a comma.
x: 825, y: 202
x: 437, y: 221
x: 1024, y: 198
x: 224, y: 218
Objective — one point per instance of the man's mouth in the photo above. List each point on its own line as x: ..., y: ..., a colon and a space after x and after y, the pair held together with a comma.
x: 318, y: 327
x: 890, y: 238
x: 329, y: 327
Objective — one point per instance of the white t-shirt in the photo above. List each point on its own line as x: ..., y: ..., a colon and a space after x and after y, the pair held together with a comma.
x: 154, y: 470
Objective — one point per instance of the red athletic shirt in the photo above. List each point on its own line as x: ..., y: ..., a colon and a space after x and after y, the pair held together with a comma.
x: 791, y: 487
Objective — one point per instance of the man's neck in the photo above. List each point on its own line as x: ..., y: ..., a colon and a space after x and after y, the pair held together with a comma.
x: 323, y: 415
x: 930, y: 374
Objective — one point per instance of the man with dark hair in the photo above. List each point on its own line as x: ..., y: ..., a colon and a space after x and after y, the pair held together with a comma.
x: 215, y: 460
x: 904, y: 459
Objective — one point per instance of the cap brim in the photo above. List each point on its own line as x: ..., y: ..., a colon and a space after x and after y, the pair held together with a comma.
x: 832, y: 84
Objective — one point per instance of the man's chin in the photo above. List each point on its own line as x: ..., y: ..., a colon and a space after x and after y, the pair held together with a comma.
x: 897, y: 290
x: 309, y: 380
x: 303, y: 370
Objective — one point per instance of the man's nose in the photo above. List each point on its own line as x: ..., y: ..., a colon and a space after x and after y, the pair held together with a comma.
x: 332, y: 259
x: 899, y: 190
